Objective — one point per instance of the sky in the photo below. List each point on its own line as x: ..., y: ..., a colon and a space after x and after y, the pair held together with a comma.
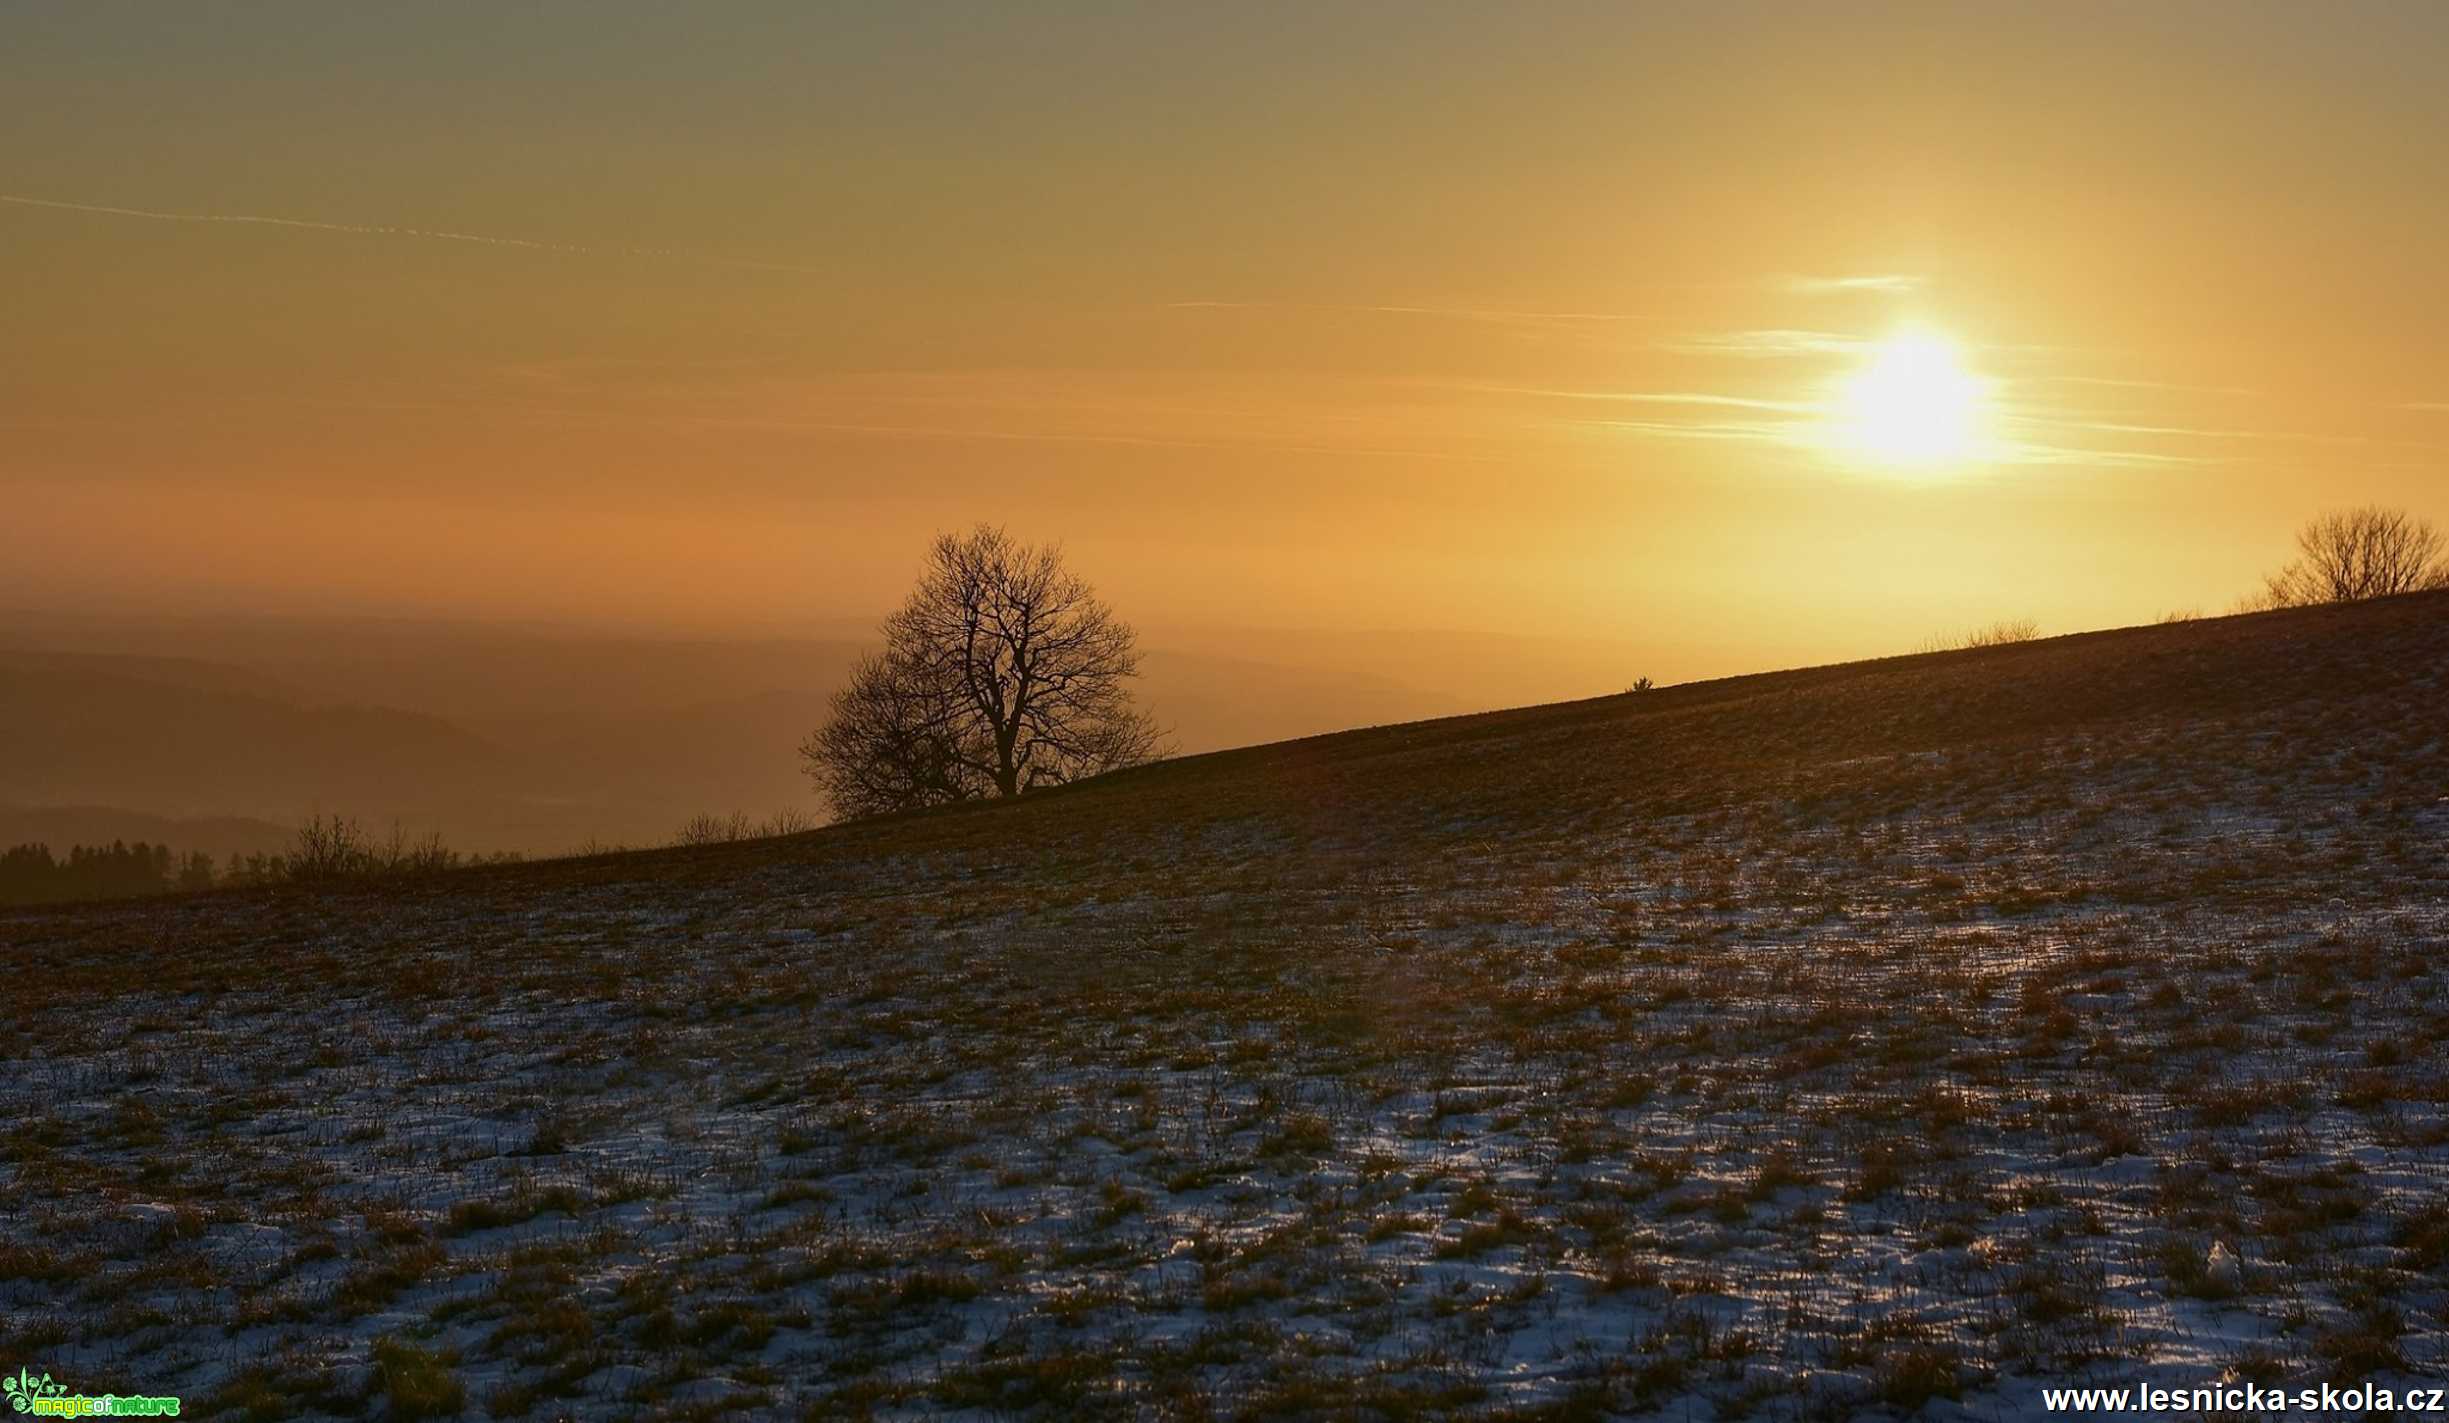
x: 1583, y: 320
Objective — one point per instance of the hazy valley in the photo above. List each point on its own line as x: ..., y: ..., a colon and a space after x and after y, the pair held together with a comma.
x: 223, y: 735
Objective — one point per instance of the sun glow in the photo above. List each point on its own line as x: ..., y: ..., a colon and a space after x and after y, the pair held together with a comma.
x: 1913, y: 405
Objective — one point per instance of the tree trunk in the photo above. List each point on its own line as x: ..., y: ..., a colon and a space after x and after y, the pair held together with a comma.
x: 1007, y: 766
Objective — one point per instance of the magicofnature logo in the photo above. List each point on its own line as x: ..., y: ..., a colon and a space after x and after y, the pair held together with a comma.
x: 44, y: 1397
x: 25, y: 1388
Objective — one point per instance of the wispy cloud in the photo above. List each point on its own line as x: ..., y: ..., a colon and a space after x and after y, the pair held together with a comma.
x: 1660, y: 397
x: 1817, y: 428
x: 1891, y: 283
x: 1788, y: 433
x: 1454, y: 313
x: 2042, y: 437
x: 1769, y: 343
x: 1816, y: 437
x: 2115, y: 384
x: 2079, y: 424
x: 975, y: 434
x: 1227, y: 412
x: 2032, y: 453
x: 426, y: 234
x: 2436, y: 407
x: 619, y: 415
x: 2196, y: 432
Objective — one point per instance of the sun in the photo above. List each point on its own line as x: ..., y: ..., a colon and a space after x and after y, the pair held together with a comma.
x: 1913, y: 405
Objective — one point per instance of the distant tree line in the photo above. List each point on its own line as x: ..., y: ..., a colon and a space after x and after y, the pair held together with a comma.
x: 326, y: 848
x: 31, y: 874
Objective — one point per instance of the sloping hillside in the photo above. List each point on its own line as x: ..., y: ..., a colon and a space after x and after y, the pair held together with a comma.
x: 1913, y: 1033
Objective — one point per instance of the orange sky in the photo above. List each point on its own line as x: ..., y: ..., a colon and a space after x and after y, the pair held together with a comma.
x: 1343, y: 315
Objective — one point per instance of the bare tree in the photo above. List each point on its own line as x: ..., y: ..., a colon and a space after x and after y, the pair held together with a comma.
x: 898, y: 740
x: 329, y: 847
x: 2352, y: 554
x: 1003, y: 673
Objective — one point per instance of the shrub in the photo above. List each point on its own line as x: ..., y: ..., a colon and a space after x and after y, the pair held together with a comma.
x: 2004, y: 633
x: 1912, y: 1377
x: 416, y: 1383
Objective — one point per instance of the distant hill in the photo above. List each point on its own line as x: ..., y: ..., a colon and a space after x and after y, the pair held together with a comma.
x: 515, y: 738
x: 61, y: 826
x: 175, y: 740
x: 185, y: 673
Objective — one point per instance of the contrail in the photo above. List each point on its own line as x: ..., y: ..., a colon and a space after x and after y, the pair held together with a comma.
x: 427, y: 233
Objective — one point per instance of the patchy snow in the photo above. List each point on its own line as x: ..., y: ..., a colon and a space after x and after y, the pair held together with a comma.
x: 1858, y: 1084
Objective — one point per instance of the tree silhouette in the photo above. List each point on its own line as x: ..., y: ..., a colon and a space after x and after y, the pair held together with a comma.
x: 2349, y: 555
x: 1003, y: 673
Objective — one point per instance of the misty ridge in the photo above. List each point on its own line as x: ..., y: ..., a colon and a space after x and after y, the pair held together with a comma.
x: 225, y: 735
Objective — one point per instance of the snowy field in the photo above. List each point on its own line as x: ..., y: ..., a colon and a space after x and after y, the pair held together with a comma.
x: 1909, y: 1036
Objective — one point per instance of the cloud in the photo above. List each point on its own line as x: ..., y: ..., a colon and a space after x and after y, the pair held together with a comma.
x: 2026, y: 452
x: 2201, y: 432
x: 1813, y: 428
x: 1660, y: 397
x: 1454, y: 313
x: 1790, y: 433
x: 975, y: 434
x: 421, y: 233
x: 1085, y: 408
x: 1891, y: 283
x: 2192, y: 432
x: 2146, y: 385
x: 1770, y: 343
